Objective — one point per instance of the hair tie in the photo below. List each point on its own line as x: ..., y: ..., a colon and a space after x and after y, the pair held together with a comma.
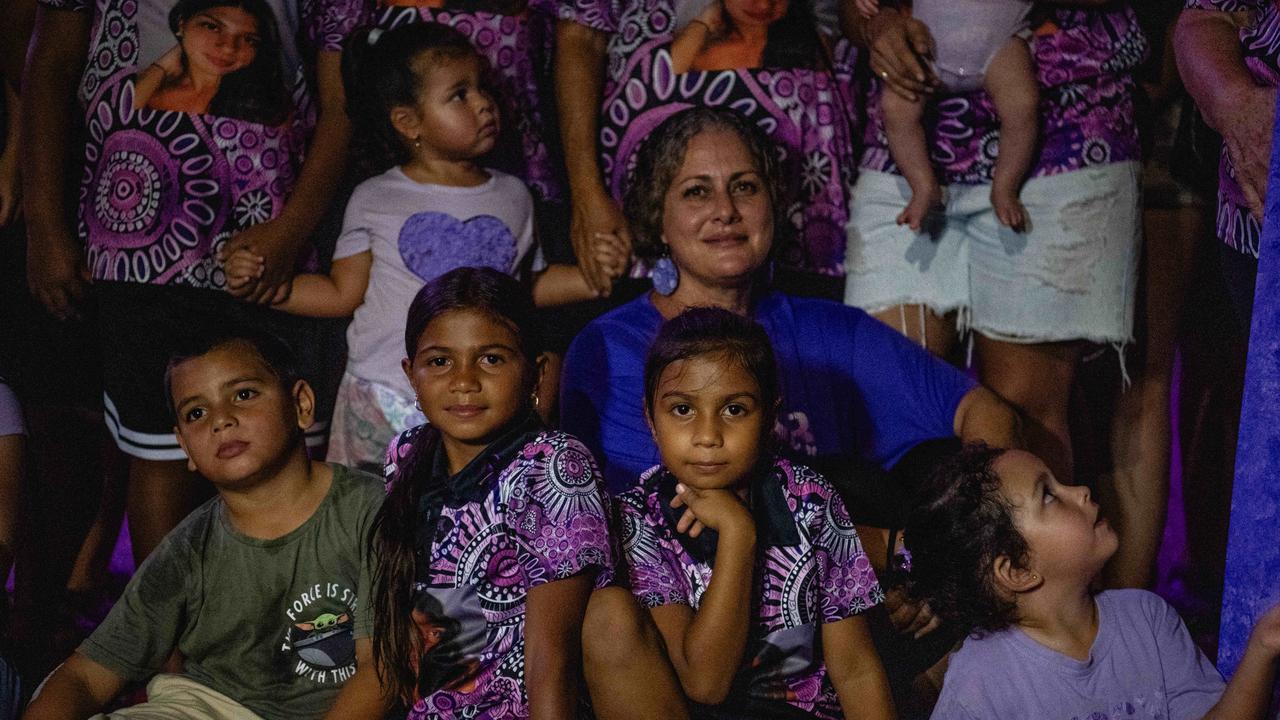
x: 374, y: 34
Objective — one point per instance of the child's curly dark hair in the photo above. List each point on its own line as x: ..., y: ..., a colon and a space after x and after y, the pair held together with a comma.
x: 958, y: 525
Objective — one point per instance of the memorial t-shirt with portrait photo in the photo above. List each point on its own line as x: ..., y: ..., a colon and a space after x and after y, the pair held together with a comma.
x: 168, y: 179
x: 806, y: 106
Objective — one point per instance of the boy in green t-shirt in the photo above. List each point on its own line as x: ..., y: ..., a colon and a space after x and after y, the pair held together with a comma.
x: 256, y: 589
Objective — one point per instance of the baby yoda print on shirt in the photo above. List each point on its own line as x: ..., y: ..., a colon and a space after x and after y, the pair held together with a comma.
x: 319, y: 637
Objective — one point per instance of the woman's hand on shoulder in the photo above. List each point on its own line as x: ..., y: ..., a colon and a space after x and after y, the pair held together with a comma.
x: 170, y: 62
x: 900, y: 50
x: 713, y: 17
x: 720, y: 510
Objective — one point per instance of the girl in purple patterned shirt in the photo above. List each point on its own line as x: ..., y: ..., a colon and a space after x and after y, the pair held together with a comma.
x: 780, y: 632
x: 494, y: 533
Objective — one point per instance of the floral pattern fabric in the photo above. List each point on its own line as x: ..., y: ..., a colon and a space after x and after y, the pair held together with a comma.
x: 823, y: 577
x: 543, y: 520
x: 1084, y: 60
x: 808, y: 112
x: 161, y: 191
x: 518, y: 48
x: 1260, y: 41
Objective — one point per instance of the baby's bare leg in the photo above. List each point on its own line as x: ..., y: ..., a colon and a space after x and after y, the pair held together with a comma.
x: 910, y: 150
x: 1011, y: 82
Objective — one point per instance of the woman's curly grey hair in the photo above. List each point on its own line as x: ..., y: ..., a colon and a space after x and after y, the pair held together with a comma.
x: 661, y: 155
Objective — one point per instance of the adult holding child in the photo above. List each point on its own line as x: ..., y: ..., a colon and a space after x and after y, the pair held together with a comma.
x: 624, y: 66
x: 1031, y: 297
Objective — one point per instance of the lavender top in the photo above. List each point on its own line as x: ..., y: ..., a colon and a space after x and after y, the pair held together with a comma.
x: 1260, y: 41
x: 811, y: 570
x: 1084, y: 60
x: 807, y: 112
x: 161, y: 191
x: 1143, y: 666
x: 544, y: 519
x: 517, y: 40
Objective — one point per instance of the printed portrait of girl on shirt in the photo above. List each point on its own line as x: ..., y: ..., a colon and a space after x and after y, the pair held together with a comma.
x: 227, y: 62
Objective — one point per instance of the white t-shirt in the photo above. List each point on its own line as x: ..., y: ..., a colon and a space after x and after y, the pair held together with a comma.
x: 417, y: 232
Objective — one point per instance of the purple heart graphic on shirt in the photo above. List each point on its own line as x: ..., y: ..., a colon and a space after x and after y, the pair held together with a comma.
x: 433, y: 243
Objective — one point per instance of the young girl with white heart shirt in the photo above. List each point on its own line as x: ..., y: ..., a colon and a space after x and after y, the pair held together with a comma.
x: 419, y: 108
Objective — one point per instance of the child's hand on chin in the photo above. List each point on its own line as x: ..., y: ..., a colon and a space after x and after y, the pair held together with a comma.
x: 720, y: 510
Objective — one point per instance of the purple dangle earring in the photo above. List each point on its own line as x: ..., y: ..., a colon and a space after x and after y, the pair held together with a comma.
x: 664, y: 274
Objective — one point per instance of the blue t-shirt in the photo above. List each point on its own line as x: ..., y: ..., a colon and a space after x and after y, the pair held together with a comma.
x: 850, y: 385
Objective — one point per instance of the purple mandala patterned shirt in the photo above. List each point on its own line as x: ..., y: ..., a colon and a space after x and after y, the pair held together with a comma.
x: 1084, y: 61
x: 517, y: 42
x: 161, y: 190
x: 807, y: 112
x: 1260, y: 41
x: 544, y: 520
x: 821, y: 575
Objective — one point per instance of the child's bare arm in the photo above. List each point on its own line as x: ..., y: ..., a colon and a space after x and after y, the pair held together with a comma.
x: 1249, y: 692
x: 553, y: 645
x: 79, y: 688
x: 335, y: 295
x: 855, y: 669
x: 706, y: 646
x: 695, y: 37
x: 564, y: 284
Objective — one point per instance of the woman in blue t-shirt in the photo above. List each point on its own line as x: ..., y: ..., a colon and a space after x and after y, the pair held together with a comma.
x: 702, y: 207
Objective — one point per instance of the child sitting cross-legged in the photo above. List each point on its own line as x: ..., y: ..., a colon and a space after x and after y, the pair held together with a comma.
x: 1001, y: 547
x: 256, y: 589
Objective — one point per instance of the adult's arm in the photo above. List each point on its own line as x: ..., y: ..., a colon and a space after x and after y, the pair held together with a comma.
x: 983, y: 416
x: 55, y: 264
x: 579, y: 79
x: 553, y: 645
x: 279, y: 240
x: 363, y: 696
x: 1211, y: 62
x: 15, y: 35
x: 79, y: 688
x: 900, y: 47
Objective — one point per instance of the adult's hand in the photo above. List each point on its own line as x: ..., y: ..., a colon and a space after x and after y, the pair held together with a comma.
x: 1246, y: 133
x: 901, y: 47
x: 56, y: 273
x: 277, y: 245
x: 1211, y: 62
x: 597, y: 217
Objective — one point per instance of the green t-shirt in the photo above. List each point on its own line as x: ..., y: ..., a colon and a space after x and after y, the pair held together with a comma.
x: 265, y: 622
